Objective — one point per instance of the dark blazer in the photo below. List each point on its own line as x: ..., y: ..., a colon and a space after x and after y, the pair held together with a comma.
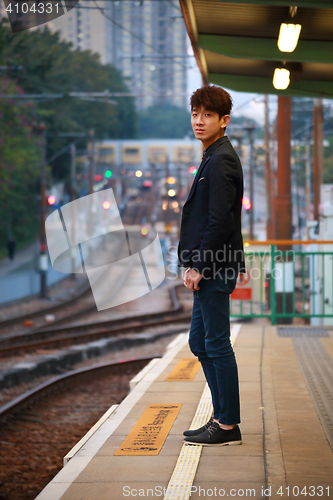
x: 210, y: 235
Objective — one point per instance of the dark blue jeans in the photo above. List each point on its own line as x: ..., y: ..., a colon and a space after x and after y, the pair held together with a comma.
x: 210, y: 342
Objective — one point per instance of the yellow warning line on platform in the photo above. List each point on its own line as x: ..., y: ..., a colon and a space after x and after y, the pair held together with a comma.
x: 149, y: 433
x: 183, y: 475
x: 179, y: 487
x: 185, y: 370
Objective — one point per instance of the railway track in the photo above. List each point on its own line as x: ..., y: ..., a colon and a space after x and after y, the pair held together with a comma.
x: 80, y: 376
x: 64, y: 336
x: 40, y: 427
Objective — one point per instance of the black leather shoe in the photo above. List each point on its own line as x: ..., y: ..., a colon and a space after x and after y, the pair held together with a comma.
x: 215, y: 436
x: 195, y: 432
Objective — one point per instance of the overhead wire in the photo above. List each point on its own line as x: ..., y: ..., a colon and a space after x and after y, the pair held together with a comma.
x: 142, y: 40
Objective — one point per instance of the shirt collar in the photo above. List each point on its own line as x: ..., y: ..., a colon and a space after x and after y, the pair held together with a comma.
x: 210, y: 150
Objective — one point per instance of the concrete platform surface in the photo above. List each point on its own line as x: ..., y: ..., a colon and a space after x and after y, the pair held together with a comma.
x: 286, y: 450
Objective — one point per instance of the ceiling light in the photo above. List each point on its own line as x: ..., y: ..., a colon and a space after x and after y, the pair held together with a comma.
x: 281, y: 78
x: 288, y: 36
x: 289, y: 32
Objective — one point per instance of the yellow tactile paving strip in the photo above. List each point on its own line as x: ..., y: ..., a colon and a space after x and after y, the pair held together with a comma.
x: 186, y: 369
x: 150, y: 432
x: 186, y: 467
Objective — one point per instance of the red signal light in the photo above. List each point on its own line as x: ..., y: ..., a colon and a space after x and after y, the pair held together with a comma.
x: 98, y: 177
x: 51, y: 199
x: 246, y: 203
x: 193, y: 170
x: 147, y: 183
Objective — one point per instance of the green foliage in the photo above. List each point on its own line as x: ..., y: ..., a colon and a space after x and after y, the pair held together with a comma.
x: 49, y: 65
x: 18, y: 168
x: 164, y: 122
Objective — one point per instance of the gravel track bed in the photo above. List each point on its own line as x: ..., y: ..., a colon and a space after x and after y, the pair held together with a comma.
x: 8, y: 394
x: 33, y: 447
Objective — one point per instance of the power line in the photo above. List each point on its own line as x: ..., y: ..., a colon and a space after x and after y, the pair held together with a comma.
x: 101, y: 9
x: 91, y: 96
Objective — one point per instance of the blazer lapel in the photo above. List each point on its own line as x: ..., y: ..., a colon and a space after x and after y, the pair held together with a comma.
x: 197, y: 176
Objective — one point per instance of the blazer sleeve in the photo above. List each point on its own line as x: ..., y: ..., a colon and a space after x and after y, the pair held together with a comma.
x: 222, y: 179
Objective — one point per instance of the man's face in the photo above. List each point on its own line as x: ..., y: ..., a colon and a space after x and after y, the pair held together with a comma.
x: 207, y: 125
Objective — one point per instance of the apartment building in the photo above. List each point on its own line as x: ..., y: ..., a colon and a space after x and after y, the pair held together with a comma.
x: 145, y: 40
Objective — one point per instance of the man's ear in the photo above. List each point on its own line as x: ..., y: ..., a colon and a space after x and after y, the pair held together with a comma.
x: 225, y: 121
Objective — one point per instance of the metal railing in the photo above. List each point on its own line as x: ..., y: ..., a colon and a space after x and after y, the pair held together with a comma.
x: 286, y: 284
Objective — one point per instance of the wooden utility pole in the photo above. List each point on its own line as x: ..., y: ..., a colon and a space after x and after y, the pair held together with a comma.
x: 251, y: 173
x: 91, y: 176
x: 73, y: 171
x: 283, y: 209
x: 270, y: 230
x: 91, y: 153
x: 43, y: 258
x: 283, y: 204
x: 308, y: 187
x: 73, y: 214
x: 318, y: 153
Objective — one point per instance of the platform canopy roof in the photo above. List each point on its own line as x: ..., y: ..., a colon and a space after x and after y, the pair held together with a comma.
x: 235, y: 44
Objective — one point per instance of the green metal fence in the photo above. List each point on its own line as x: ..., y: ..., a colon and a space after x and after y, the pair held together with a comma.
x: 282, y: 285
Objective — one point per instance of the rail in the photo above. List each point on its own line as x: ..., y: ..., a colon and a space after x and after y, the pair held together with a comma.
x: 34, y: 395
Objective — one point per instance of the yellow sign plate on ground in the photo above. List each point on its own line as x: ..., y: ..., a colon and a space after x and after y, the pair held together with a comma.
x: 186, y: 370
x: 149, y: 433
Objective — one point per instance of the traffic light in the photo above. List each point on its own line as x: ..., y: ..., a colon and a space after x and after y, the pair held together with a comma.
x: 147, y: 184
x: 144, y: 230
x: 108, y: 174
x: 246, y: 203
x: 193, y: 170
x: 98, y: 177
x: 51, y: 199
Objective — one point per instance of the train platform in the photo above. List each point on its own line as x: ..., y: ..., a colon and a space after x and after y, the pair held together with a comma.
x: 286, y: 387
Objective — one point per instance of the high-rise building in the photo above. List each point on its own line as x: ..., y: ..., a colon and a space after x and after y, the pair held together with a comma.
x: 145, y: 40
x: 148, y: 44
x: 86, y: 28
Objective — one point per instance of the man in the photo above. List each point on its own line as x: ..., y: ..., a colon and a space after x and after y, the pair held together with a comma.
x: 211, y: 247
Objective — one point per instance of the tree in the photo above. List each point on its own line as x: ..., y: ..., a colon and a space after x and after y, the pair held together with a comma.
x: 164, y: 121
x: 45, y: 64
x: 50, y: 65
x: 19, y: 167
